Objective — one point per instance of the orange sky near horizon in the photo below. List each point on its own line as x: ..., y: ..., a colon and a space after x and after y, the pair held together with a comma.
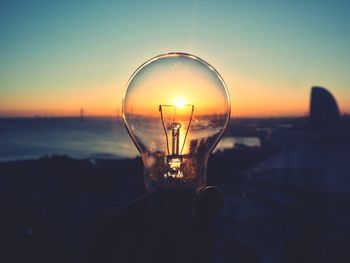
x: 248, y: 99
x: 247, y: 102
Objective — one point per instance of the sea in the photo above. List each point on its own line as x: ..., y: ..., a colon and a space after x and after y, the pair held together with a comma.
x: 88, y: 138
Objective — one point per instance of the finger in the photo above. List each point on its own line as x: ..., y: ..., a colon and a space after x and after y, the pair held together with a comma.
x: 209, y: 203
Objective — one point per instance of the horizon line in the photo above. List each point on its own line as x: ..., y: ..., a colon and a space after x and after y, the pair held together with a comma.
x: 121, y: 117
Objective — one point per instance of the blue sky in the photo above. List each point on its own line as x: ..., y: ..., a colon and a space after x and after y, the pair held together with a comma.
x: 58, y: 56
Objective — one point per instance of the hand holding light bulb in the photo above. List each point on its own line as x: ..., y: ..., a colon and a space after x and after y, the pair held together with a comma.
x: 176, y: 108
x: 148, y: 232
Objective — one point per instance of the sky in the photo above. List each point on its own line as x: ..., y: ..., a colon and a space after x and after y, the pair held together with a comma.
x: 59, y: 56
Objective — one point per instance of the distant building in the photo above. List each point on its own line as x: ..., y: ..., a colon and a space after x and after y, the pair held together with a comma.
x: 324, y: 111
x: 81, y: 114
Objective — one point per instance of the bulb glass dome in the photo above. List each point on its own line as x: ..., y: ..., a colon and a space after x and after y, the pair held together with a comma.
x: 175, y: 107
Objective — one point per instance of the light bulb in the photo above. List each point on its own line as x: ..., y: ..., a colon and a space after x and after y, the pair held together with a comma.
x: 175, y: 107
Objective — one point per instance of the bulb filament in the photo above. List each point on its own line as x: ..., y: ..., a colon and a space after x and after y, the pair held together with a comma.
x: 175, y: 131
x: 174, y: 158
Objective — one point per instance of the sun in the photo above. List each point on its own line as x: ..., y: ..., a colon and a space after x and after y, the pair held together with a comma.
x: 179, y: 102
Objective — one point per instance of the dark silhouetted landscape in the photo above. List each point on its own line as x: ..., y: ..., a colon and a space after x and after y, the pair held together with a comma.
x: 286, y: 199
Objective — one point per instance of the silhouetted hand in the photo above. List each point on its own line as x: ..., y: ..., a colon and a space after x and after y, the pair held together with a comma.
x: 160, y: 228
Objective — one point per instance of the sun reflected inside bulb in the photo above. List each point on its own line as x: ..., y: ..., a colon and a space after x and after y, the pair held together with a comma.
x: 179, y: 102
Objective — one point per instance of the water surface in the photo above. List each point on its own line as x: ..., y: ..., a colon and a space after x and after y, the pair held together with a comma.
x: 27, y: 138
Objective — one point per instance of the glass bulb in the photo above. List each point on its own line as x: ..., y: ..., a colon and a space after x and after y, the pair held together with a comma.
x: 175, y: 107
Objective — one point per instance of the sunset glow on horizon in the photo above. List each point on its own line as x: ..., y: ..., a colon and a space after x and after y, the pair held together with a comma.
x: 57, y: 60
